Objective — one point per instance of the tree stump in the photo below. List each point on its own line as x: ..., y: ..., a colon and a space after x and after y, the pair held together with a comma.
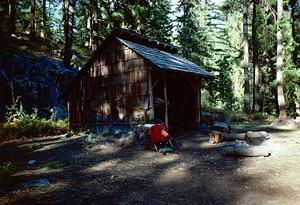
x: 215, y: 137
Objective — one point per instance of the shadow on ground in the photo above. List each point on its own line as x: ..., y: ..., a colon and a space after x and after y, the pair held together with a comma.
x: 199, y: 174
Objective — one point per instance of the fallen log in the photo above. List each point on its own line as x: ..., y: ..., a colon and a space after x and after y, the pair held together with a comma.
x: 233, y: 137
x: 247, y: 151
x: 257, y: 134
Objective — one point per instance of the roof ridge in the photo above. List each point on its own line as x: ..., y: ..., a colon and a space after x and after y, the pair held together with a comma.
x: 144, y: 40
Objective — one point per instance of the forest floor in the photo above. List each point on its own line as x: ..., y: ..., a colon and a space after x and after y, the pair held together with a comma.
x: 199, y: 174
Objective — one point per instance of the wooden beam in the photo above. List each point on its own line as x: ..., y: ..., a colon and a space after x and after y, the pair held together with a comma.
x: 155, y: 83
x: 199, y: 111
x: 166, y: 105
x: 150, y: 94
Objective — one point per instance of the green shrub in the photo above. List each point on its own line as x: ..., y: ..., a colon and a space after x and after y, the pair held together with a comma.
x: 261, y: 116
x: 21, y: 124
x: 6, y: 170
x: 51, y: 165
x: 67, y: 163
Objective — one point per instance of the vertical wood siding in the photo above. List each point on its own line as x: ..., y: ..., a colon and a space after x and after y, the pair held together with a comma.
x: 114, y: 91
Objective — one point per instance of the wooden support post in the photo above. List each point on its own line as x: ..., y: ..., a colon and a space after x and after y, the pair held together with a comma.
x: 199, y: 111
x: 150, y: 98
x: 155, y: 83
x: 166, y: 104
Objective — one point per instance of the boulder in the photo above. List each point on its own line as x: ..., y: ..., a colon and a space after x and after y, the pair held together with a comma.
x: 289, y: 124
x: 38, y: 80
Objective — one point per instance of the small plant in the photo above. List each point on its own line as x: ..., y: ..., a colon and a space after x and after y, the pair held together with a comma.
x: 32, y: 146
x: 51, y: 165
x: 6, y: 170
x: 67, y: 163
x: 63, y: 137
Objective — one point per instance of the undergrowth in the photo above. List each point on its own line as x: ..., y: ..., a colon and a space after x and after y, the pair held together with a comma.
x: 18, y: 123
x: 6, y: 170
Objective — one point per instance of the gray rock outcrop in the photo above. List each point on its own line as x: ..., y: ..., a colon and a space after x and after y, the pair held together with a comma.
x: 38, y: 80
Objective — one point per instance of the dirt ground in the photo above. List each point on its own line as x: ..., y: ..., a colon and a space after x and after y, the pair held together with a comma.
x: 199, y: 174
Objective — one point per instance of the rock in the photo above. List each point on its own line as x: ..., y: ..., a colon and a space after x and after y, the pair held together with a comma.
x: 118, y: 131
x: 31, y: 162
x: 38, y: 80
x: 39, y: 182
x: 289, y: 124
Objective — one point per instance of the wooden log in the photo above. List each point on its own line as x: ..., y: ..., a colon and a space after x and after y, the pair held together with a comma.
x: 233, y: 137
x: 199, y: 110
x: 215, y: 137
x: 247, y: 151
x: 166, y: 105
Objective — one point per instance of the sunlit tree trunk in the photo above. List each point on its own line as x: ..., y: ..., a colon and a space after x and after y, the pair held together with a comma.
x: 256, y: 105
x: 69, y: 35
x: 95, y: 26
x: 246, y: 58
x: 43, y: 30
x: 32, y: 20
x: 12, y: 16
x: 279, y: 62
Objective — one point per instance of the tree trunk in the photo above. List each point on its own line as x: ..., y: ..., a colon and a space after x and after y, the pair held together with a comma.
x: 12, y: 15
x: 256, y: 105
x: 95, y: 26
x: 43, y: 30
x: 89, y: 28
x: 69, y: 35
x: 246, y: 58
x: 32, y: 21
x: 279, y: 62
x: 64, y: 18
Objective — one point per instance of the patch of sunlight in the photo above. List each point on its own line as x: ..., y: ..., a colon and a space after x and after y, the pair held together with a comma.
x: 175, y: 174
x: 49, y: 147
x: 166, y: 158
x: 102, y: 166
x: 37, y: 172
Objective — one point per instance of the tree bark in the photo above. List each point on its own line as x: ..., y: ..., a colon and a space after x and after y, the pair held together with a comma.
x: 256, y: 72
x: 69, y: 35
x: 95, y: 26
x: 64, y: 18
x: 43, y: 30
x: 279, y: 62
x: 32, y: 20
x: 12, y: 16
x: 246, y: 58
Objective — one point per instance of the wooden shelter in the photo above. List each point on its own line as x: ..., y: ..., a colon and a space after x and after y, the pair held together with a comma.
x: 131, y: 78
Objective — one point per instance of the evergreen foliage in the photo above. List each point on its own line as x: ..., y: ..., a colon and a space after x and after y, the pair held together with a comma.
x: 209, y: 32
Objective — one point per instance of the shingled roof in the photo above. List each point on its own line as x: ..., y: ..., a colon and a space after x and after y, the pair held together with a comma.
x: 165, y: 60
x: 162, y: 55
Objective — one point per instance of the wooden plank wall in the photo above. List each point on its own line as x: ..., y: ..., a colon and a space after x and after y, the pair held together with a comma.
x: 114, y: 92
